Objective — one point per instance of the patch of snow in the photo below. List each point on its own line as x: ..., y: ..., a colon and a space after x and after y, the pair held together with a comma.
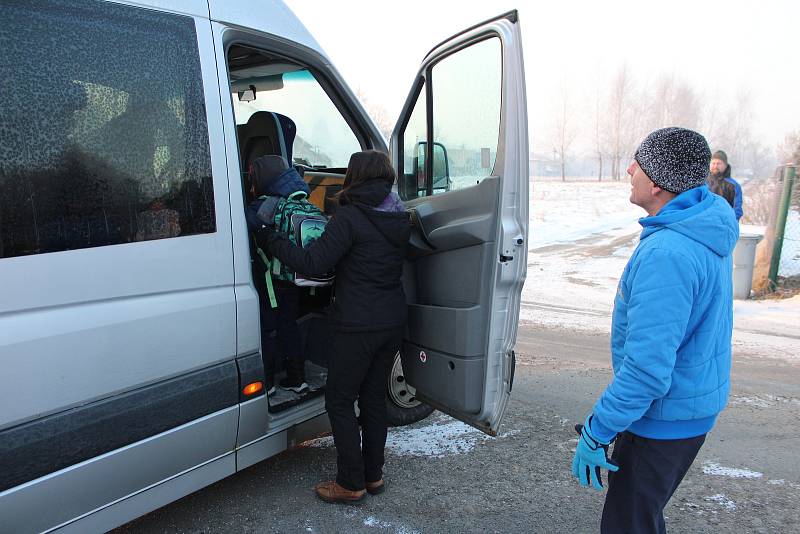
x: 721, y: 499
x: 374, y: 522
x: 763, y: 401
x: 443, y: 436
x: 319, y: 443
x: 778, y: 482
x: 714, y: 469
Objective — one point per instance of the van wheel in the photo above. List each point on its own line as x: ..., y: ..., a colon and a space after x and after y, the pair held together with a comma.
x: 402, y: 405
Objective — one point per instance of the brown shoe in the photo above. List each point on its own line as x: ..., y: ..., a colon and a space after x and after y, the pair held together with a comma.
x: 376, y: 488
x: 330, y: 491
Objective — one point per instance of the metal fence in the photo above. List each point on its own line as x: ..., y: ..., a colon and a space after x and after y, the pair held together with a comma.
x: 786, y: 267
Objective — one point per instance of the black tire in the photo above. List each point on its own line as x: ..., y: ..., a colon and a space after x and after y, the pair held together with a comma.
x: 401, y: 405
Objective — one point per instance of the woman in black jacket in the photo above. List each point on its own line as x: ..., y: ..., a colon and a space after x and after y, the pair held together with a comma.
x: 365, y: 242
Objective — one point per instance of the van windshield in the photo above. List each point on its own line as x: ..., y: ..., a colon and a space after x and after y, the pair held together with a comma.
x: 324, y: 139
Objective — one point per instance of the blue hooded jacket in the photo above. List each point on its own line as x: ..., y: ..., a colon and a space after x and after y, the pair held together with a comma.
x: 672, y: 323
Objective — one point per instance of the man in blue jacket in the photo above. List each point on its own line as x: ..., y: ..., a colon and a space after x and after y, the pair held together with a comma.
x: 670, y: 339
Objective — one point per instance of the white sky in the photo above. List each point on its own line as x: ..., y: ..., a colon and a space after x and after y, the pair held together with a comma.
x: 718, y: 47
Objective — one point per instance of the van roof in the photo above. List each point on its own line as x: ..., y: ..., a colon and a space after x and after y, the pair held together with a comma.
x: 268, y: 16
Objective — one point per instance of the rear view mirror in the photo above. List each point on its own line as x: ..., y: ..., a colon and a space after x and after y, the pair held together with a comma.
x: 248, y: 95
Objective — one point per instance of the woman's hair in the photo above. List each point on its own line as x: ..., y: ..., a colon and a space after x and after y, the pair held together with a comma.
x: 365, y: 166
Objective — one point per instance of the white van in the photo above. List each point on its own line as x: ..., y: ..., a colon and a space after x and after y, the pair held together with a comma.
x: 131, y: 368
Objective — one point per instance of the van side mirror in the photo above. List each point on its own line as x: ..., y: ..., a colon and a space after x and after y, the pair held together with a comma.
x: 441, y: 167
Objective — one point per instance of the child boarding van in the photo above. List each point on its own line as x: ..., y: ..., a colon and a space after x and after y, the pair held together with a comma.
x: 131, y: 365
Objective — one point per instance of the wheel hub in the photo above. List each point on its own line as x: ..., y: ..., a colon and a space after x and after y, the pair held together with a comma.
x: 401, y: 392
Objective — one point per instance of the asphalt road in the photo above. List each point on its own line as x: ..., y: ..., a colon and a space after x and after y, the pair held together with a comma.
x: 442, y: 477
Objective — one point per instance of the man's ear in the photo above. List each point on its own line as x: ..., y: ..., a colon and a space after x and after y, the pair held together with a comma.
x: 655, y: 190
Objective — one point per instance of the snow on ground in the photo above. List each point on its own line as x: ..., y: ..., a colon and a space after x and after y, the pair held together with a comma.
x: 714, y: 469
x: 723, y: 501
x: 581, y: 236
x: 440, y: 436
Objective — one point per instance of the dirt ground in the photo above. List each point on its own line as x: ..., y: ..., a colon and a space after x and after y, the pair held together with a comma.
x: 444, y: 477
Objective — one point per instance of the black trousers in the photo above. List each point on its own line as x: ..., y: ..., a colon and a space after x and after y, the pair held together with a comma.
x: 280, y: 335
x: 650, y: 471
x: 359, y: 370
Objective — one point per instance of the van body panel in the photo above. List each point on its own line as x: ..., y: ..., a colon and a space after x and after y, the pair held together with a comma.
x: 268, y: 16
x: 194, y: 8
x: 92, y: 327
x: 95, y: 483
x: 253, y: 420
x: 261, y: 449
x: 152, y: 498
x: 48, y: 444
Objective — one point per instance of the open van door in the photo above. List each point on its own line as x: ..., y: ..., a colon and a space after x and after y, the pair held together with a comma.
x: 460, y: 149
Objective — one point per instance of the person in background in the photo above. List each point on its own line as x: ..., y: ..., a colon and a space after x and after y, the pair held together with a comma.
x: 670, y: 337
x: 365, y: 242
x: 720, y: 182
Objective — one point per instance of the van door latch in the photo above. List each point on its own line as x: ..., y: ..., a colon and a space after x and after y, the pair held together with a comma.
x: 504, y: 258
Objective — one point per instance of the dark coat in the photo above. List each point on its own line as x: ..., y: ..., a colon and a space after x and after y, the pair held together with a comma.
x: 365, y: 242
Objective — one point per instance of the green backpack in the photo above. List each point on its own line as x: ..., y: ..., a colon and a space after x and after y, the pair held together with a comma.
x: 302, y: 223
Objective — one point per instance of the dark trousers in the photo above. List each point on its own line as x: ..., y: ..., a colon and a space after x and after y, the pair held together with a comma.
x: 650, y: 471
x: 359, y: 369
x: 280, y: 334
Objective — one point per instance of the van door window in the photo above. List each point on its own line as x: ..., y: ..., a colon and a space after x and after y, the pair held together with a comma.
x: 465, y: 103
x: 103, y: 135
x: 412, y: 182
x: 323, y: 138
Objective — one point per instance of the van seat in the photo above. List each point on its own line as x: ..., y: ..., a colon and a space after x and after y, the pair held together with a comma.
x: 265, y: 133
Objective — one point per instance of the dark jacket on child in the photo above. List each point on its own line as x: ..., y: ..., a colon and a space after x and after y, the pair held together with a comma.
x: 365, y: 241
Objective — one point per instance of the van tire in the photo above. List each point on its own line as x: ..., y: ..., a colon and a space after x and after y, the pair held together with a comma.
x: 402, y: 407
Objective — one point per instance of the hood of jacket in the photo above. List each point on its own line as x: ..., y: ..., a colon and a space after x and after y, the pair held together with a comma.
x: 282, y: 185
x: 383, y: 208
x: 700, y: 215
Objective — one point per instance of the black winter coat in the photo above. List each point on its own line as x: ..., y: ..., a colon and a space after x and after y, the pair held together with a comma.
x: 366, y: 247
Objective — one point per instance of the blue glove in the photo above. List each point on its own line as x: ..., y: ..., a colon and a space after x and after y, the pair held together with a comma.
x: 590, y: 456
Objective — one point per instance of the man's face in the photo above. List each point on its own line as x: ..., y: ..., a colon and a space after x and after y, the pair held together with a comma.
x: 641, y: 186
x: 717, y: 166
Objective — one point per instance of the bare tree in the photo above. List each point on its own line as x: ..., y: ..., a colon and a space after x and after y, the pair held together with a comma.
x: 788, y: 150
x: 621, y: 89
x: 564, y: 129
x: 599, y: 132
x: 378, y: 113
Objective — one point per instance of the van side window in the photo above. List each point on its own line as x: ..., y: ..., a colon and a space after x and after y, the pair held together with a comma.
x: 465, y: 103
x: 103, y: 133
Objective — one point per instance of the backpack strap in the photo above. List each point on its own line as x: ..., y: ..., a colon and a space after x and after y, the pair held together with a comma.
x: 273, y: 302
x: 298, y: 195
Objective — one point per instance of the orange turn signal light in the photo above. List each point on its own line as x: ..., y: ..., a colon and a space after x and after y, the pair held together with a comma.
x: 253, y: 388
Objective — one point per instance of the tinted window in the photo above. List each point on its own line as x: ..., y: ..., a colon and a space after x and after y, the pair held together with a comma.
x: 103, y: 134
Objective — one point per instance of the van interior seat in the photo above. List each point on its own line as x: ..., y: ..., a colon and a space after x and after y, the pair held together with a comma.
x: 265, y: 133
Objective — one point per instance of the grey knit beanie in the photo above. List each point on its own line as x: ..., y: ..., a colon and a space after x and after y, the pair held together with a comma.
x: 675, y: 159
